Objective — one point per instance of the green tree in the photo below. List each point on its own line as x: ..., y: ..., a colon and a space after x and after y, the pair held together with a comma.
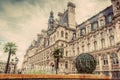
x: 11, y: 49
x: 85, y: 63
x: 57, y: 54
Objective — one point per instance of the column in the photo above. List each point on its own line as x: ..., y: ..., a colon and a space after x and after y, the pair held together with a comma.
x: 118, y: 53
x: 109, y: 64
x: 92, y: 46
x: 117, y: 32
x: 106, y: 39
x: 100, y: 63
x: 99, y: 42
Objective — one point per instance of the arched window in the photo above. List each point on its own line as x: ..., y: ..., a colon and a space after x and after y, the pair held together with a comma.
x: 66, y: 35
x: 103, y: 43
x: 95, y: 45
x: 114, y: 57
x: 88, y: 45
x: 66, y: 65
x: 78, y: 50
x: 102, y: 35
x: 105, y: 60
x: 111, y: 31
x: 62, y: 34
x: 112, y: 42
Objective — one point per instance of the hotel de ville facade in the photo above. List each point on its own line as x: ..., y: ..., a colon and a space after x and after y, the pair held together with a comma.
x: 98, y: 35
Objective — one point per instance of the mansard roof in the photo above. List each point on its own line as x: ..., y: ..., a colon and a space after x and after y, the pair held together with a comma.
x: 64, y: 18
x: 93, y: 19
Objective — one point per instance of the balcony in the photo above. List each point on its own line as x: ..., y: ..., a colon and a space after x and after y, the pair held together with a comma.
x: 115, y: 67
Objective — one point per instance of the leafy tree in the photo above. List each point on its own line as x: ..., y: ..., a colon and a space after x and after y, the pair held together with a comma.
x: 85, y: 63
x: 57, y: 54
x: 11, y: 49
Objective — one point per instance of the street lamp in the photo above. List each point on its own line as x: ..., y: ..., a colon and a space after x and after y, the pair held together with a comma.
x: 16, y: 62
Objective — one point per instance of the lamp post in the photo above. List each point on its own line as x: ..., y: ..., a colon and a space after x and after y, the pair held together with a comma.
x: 16, y: 62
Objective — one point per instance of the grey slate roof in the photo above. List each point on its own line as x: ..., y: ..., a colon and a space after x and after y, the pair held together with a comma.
x: 106, y: 12
x: 64, y: 20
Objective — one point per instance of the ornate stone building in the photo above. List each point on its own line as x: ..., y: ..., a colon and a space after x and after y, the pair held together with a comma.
x: 99, y: 35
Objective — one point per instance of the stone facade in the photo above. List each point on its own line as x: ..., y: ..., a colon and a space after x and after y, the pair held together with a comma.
x: 99, y: 36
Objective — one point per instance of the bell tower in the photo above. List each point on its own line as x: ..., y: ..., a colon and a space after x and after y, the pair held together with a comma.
x: 116, y: 7
x: 51, y: 22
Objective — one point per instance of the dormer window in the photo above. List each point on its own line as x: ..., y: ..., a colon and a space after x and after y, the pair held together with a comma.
x: 83, y: 31
x: 109, y: 18
x: 102, y: 23
x: 94, y: 26
x: 74, y: 36
x: 110, y: 31
x: 88, y: 29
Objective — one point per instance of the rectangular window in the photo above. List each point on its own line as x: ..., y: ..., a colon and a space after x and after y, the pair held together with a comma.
x: 103, y: 43
x: 102, y: 35
x: 88, y: 29
x: 102, y: 22
x: 83, y: 31
x: 110, y: 31
x: 105, y: 61
x: 112, y: 42
x: 94, y: 26
x: 109, y: 18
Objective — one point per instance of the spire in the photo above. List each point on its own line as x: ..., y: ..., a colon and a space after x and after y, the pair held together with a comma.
x: 51, y: 14
x: 51, y: 22
x: 51, y: 18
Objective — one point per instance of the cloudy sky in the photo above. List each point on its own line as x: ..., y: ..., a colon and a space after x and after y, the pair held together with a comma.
x: 22, y: 20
